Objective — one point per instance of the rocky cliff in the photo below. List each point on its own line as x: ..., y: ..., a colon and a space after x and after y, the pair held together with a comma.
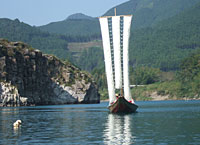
x: 29, y: 77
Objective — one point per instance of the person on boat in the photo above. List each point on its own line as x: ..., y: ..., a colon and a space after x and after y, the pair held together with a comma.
x: 117, y: 95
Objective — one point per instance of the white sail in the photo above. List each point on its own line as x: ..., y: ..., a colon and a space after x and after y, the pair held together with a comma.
x: 108, y: 60
x: 126, y: 34
x: 117, y: 51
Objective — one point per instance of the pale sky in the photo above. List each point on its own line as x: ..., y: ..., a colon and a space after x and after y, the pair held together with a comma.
x: 41, y: 12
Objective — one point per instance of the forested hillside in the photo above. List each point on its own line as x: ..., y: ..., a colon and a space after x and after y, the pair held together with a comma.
x: 147, y: 13
x: 184, y: 85
x: 168, y: 42
x: 14, y: 30
x: 56, y: 44
x: 162, y: 46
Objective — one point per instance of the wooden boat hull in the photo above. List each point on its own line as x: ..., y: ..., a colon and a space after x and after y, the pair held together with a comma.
x: 122, y: 106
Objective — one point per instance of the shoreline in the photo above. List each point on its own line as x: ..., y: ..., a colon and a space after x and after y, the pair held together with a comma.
x: 107, y: 100
x: 184, y: 99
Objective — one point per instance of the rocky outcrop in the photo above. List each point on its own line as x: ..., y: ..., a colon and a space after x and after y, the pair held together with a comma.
x: 9, y: 94
x: 42, y: 79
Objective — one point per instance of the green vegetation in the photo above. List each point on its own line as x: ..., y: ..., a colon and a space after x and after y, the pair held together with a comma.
x: 145, y: 76
x: 16, y: 46
x: 185, y: 85
x: 166, y: 44
x: 100, y: 77
x: 46, y: 42
x: 162, y: 46
x: 78, y: 48
x: 189, y: 76
x: 168, y: 88
x: 139, y: 76
x: 147, y: 13
x: 91, y: 58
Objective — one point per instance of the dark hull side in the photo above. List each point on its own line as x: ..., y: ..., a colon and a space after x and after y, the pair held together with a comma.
x: 122, y: 106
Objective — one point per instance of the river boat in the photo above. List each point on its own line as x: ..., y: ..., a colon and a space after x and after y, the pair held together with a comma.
x: 115, y: 32
x: 121, y: 105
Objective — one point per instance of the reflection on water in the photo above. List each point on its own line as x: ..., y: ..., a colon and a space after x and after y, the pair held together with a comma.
x: 118, y: 130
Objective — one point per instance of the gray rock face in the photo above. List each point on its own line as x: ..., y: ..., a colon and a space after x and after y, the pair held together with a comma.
x: 9, y: 95
x: 43, y: 79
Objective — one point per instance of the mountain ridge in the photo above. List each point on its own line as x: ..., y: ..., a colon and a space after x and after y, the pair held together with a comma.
x: 79, y: 16
x: 145, y: 14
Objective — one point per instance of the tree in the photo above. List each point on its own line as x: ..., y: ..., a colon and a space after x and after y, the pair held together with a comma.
x: 145, y: 75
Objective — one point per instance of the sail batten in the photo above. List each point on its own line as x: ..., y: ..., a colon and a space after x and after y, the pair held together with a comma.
x: 108, y: 59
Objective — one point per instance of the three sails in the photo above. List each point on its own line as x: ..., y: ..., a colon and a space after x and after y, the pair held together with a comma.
x: 115, y: 35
